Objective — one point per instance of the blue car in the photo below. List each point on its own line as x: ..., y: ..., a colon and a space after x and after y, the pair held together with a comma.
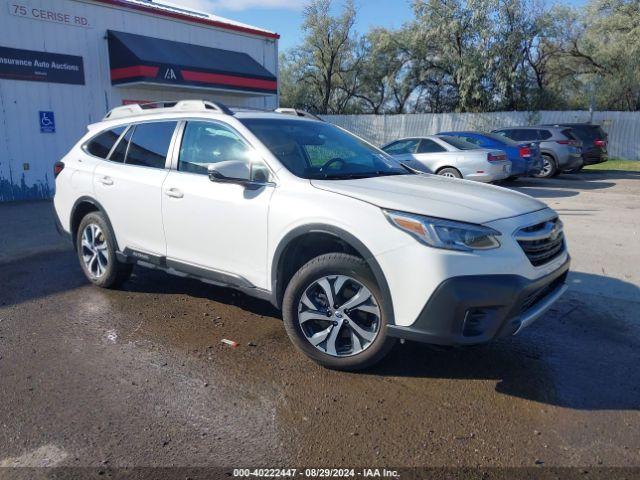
x: 525, y: 156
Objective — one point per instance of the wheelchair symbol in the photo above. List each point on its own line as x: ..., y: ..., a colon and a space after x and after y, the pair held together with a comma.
x: 47, y: 122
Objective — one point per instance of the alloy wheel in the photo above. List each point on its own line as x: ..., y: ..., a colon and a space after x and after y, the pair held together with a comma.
x: 339, y: 315
x: 547, y: 167
x: 95, y: 253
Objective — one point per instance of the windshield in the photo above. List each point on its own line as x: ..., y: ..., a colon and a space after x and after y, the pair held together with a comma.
x: 316, y: 150
x: 458, y: 143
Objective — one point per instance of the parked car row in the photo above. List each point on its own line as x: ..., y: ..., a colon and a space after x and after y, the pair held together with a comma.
x: 541, y: 151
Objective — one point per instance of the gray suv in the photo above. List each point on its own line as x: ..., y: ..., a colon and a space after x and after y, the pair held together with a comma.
x: 560, y: 149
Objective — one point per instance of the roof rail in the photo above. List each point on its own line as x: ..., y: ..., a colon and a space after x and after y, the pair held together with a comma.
x: 154, y: 107
x: 298, y: 113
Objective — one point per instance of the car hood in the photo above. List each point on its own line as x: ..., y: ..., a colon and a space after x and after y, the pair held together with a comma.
x: 436, y: 196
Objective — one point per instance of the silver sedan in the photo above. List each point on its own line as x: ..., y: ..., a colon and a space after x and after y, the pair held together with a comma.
x: 451, y: 157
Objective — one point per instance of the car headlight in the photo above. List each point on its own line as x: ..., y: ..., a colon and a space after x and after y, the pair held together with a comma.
x: 446, y: 234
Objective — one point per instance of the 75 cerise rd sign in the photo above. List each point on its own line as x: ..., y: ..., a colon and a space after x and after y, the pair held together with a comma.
x: 26, y: 10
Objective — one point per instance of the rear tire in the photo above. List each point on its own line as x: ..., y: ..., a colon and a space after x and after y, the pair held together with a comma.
x: 549, y: 167
x: 352, y: 337
x: 96, y: 248
x: 449, y: 172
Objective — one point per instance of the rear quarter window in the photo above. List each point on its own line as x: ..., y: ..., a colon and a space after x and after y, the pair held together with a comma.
x: 544, y: 134
x: 101, y: 144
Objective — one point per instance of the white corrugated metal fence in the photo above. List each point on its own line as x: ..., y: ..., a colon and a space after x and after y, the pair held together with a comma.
x: 623, y: 127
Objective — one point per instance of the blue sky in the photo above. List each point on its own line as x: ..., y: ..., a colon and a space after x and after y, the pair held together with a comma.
x: 285, y: 16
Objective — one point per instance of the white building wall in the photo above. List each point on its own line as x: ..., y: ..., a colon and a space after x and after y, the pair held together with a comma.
x: 75, y: 106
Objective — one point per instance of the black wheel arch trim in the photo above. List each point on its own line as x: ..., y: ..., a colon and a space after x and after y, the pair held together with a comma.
x: 277, y: 289
x: 98, y: 205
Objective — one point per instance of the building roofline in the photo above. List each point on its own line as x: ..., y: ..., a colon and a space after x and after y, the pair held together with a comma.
x: 189, y: 18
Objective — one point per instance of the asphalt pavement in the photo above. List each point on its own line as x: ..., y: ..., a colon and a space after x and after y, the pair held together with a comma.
x: 140, y: 377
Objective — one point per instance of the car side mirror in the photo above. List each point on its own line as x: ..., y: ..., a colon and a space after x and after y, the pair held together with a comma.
x: 249, y: 175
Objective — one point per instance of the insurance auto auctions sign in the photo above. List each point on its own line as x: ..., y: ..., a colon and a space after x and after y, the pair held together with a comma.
x: 46, y: 13
x: 16, y: 64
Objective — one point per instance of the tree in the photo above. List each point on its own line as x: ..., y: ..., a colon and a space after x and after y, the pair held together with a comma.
x: 452, y: 40
x: 323, y: 63
x: 468, y: 56
x: 515, y: 33
x: 606, y: 47
x: 387, y: 74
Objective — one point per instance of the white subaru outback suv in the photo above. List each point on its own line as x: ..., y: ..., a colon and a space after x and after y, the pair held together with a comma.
x: 356, y: 249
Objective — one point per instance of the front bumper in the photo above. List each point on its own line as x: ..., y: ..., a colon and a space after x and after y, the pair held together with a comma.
x: 475, y: 309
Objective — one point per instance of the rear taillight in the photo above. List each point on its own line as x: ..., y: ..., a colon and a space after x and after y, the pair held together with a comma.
x: 600, y: 143
x: 573, y: 143
x: 57, y: 168
x: 496, y: 157
x: 525, y: 152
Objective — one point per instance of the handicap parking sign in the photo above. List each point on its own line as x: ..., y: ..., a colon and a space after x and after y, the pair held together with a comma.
x: 47, y: 122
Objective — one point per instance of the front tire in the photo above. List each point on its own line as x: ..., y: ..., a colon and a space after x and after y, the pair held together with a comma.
x: 96, y: 248
x: 333, y: 313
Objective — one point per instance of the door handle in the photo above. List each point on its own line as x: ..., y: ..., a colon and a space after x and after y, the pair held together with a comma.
x: 106, y: 181
x: 173, y: 193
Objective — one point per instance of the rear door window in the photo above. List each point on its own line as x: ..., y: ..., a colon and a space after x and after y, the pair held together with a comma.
x: 544, y: 134
x: 524, y: 134
x: 429, y: 146
x: 149, y: 144
x: 101, y: 145
x: 402, y: 147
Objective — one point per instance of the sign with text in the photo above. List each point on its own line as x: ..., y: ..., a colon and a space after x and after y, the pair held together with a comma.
x: 16, y: 64
x: 47, y: 14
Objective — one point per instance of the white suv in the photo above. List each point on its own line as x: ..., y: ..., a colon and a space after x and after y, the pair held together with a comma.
x: 356, y: 249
